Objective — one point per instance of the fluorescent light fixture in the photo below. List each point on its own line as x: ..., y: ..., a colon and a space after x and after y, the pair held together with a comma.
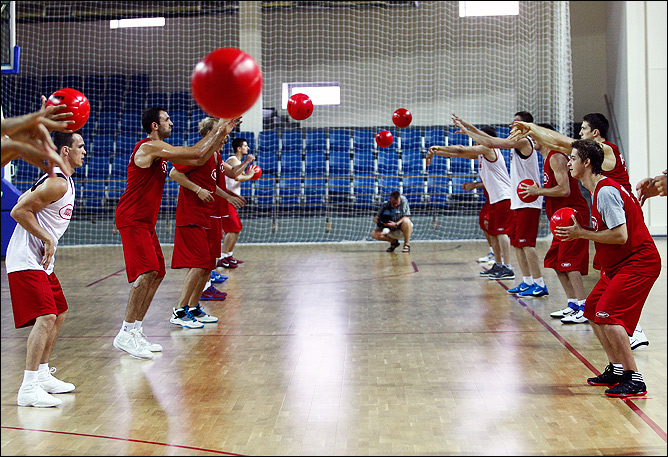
x: 489, y: 9
x: 139, y: 22
x: 322, y: 94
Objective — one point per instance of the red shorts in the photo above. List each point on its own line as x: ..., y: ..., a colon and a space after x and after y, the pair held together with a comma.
x: 620, y: 300
x: 483, y: 216
x: 191, y: 248
x: 572, y: 255
x: 215, y: 236
x: 231, y: 223
x: 524, y: 229
x: 34, y: 294
x: 500, y: 220
x: 142, y: 251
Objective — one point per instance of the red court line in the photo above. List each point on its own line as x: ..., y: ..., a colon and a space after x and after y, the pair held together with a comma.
x: 122, y: 439
x: 106, y: 277
x: 653, y: 425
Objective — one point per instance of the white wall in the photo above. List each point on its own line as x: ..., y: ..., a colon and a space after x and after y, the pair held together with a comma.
x: 637, y: 86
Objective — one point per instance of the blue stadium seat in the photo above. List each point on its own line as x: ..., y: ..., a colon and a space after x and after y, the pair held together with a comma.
x: 414, y: 190
x: 438, y: 166
x: 292, y: 141
x: 339, y: 140
x: 433, y: 136
x: 26, y: 174
x: 388, y: 162
x: 339, y: 162
x: 103, y: 145
x: 74, y: 82
x: 290, y: 191
x: 139, y: 83
x: 267, y: 142
x: 97, y: 167
x: 438, y: 189
x: 316, y: 141
x: 506, y: 157
x: 8, y: 91
x: 363, y: 162
x: 412, y: 162
x: 339, y: 189
x: 364, y: 139
x: 114, y: 94
x: 27, y: 97
x: 268, y: 162
x: 131, y: 123
x: 388, y: 184
x: 315, y: 190
x: 460, y: 165
x: 180, y: 101
x: 315, y: 163
x: 107, y: 123
x: 263, y: 191
x: 93, y: 89
x: 118, y: 177
x: 193, y: 124
x: 502, y: 131
x: 411, y: 139
x: 291, y: 164
x: 177, y: 139
x: 134, y: 102
x: 125, y: 144
x: 156, y: 99
x: 365, y: 192
x: 180, y: 121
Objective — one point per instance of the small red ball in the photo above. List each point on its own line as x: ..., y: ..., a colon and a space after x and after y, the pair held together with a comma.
x: 384, y: 138
x: 402, y: 118
x: 76, y: 103
x: 300, y: 107
x: 527, y: 198
x: 226, y: 83
x: 562, y: 218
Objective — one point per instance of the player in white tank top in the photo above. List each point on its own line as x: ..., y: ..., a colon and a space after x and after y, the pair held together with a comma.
x: 522, y: 168
x: 494, y: 175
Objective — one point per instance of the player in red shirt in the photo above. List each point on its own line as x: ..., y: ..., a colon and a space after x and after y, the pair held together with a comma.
x: 630, y: 264
x: 569, y: 260
x: 198, y: 236
x: 137, y: 214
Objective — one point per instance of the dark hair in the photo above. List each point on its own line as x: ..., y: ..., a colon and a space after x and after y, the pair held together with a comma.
x: 149, y: 116
x: 395, y: 195
x: 590, y: 149
x: 524, y: 116
x: 489, y: 130
x: 598, y: 122
x: 237, y: 143
x: 61, y: 139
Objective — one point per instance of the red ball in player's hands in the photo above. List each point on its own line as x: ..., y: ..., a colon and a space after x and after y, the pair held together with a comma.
x: 402, y: 118
x: 384, y: 138
x: 563, y: 217
x: 526, y: 198
x: 300, y: 107
x: 226, y: 83
x: 75, y: 102
x: 258, y: 172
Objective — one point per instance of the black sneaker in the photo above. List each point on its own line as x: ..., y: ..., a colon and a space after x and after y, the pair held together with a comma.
x: 607, y: 378
x: 489, y: 271
x: 627, y: 387
x: 502, y: 273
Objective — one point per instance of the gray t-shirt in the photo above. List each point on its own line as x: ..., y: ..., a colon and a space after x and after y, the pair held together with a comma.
x: 610, y: 205
x: 388, y: 213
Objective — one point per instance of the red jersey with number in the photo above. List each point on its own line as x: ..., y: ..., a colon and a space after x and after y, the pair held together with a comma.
x: 619, y: 173
x: 639, y: 251
x: 140, y: 203
x: 190, y: 209
x: 575, y: 200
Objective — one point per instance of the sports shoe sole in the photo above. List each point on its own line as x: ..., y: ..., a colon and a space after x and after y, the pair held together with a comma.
x: 637, y: 394
x: 492, y: 277
x: 186, y: 324
x: 639, y: 345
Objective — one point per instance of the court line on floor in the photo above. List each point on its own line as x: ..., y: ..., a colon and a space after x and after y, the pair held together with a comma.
x: 106, y: 277
x: 635, y: 408
x: 121, y: 439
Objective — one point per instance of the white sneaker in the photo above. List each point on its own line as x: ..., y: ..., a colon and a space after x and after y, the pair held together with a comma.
x: 567, y: 311
x: 184, y: 318
x: 51, y: 384
x: 201, y: 315
x: 489, y: 259
x: 130, y: 342
x: 638, y: 339
x: 34, y: 395
x: 575, y: 318
x: 153, y: 347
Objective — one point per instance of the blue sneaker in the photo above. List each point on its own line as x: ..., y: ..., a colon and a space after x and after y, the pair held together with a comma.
x: 534, y: 291
x: 521, y: 288
x: 217, y: 277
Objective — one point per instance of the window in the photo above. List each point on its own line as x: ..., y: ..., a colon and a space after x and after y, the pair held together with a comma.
x: 322, y: 94
x: 489, y: 9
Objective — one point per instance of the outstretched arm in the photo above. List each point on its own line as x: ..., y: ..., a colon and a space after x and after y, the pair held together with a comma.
x: 466, y: 152
x: 484, y: 139
x: 544, y: 136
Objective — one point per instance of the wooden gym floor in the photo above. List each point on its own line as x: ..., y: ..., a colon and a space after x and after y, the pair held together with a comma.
x: 337, y: 349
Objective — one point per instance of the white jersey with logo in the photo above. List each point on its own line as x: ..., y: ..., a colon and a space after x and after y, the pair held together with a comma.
x: 495, y: 177
x: 25, y: 251
x: 232, y: 184
x: 521, y: 169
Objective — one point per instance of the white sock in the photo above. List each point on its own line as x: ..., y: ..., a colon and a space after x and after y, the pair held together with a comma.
x: 208, y: 284
x: 572, y: 300
x: 127, y: 326
x: 581, y: 304
x: 618, y: 369
x: 540, y: 282
x: 226, y: 254
x: 527, y: 279
x: 29, y: 377
x: 638, y: 328
x: 138, y: 325
x: 231, y: 253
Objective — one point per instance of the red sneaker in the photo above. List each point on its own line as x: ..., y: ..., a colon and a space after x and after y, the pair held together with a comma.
x: 213, y: 294
x: 225, y: 263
